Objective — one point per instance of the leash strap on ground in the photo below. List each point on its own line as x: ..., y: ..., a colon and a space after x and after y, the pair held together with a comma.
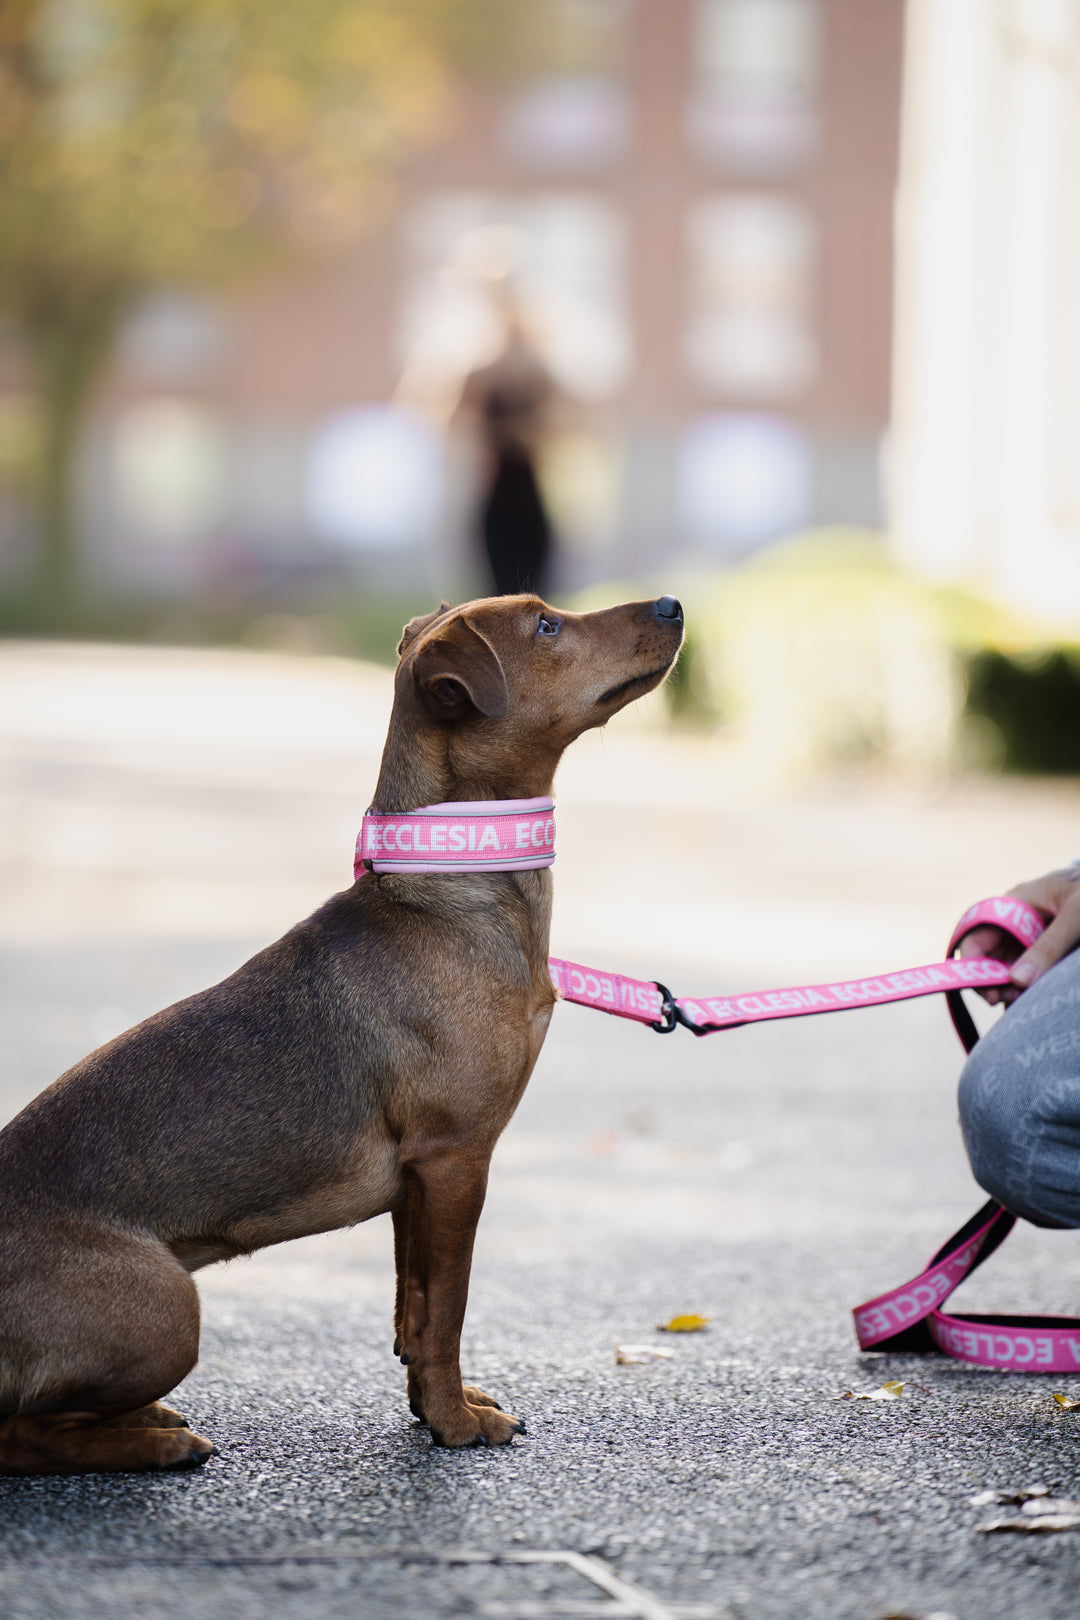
x: 908, y: 1319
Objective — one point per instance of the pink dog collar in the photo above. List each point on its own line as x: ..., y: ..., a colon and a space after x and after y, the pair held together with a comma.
x: 492, y: 835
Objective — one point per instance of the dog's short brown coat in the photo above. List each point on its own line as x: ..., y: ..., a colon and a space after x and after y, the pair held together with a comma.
x: 368, y: 1061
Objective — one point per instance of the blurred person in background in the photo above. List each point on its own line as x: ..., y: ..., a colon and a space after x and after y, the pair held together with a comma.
x: 1020, y: 1088
x: 505, y: 404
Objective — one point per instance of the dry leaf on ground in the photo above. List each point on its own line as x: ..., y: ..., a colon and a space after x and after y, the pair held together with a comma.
x: 636, y: 1355
x: 905, y: 1614
x: 1039, y: 1517
x: 1025, y: 1493
x: 684, y: 1324
x: 1066, y: 1402
x: 891, y: 1391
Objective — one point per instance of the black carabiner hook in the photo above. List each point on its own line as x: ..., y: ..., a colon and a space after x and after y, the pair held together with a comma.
x: 668, y: 1009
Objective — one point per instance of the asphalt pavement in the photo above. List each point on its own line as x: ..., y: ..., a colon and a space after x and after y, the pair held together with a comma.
x: 164, y: 813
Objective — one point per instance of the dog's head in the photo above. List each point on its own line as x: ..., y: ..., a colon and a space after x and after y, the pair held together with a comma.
x: 508, y: 682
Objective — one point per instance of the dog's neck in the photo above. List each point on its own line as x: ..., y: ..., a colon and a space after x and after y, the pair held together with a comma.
x: 424, y: 767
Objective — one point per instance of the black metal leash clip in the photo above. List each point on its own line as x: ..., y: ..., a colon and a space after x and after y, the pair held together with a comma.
x: 671, y: 1017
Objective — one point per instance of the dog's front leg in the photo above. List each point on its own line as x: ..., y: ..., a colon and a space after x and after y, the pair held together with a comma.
x: 433, y: 1242
x: 400, y: 1217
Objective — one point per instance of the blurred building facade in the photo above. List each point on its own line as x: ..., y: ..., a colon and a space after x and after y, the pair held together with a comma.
x: 693, y: 211
x: 985, y: 474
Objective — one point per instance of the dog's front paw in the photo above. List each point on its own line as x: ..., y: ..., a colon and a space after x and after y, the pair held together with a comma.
x: 477, y: 1426
x: 415, y: 1395
x: 476, y: 1397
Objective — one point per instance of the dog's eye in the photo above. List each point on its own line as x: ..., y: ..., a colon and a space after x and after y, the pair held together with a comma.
x: 547, y: 627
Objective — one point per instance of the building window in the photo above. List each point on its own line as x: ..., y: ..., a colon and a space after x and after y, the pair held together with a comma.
x: 572, y: 125
x: 172, y: 339
x: 171, y: 462
x: 373, y: 479
x: 743, y: 480
x: 756, y: 73
x: 751, y: 262
x: 572, y: 114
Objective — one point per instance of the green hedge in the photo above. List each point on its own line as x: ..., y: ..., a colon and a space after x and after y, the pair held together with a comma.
x: 822, y: 651
x: 1033, y: 702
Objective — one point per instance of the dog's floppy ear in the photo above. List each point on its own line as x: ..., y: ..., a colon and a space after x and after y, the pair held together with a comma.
x: 458, y: 668
x: 414, y: 626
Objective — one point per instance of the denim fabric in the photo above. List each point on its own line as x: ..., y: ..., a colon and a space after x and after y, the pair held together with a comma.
x: 1020, y: 1102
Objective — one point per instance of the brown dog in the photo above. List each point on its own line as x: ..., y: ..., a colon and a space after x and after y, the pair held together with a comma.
x: 337, y: 1075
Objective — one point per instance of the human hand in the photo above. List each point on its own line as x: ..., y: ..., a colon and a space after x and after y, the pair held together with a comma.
x: 1057, y: 898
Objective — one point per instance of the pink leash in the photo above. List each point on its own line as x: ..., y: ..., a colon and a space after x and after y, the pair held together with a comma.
x: 519, y: 834
x: 908, y: 1319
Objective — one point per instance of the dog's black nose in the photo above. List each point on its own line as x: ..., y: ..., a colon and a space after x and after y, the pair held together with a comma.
x: 668, y: 608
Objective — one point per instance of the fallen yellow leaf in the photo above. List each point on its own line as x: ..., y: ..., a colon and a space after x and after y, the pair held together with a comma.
x: 684, y: 1324
x: 891, y: 1391
x: 1066, y: 1402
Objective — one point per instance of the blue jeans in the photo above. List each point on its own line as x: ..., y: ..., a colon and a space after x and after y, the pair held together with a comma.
x: 1020, y: 1102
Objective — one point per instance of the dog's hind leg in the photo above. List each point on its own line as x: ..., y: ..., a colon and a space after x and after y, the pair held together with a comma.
x: 96, y: 1327
x: 444, y: 1198
x: 80, y: 1443
x: 154, y: 1416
